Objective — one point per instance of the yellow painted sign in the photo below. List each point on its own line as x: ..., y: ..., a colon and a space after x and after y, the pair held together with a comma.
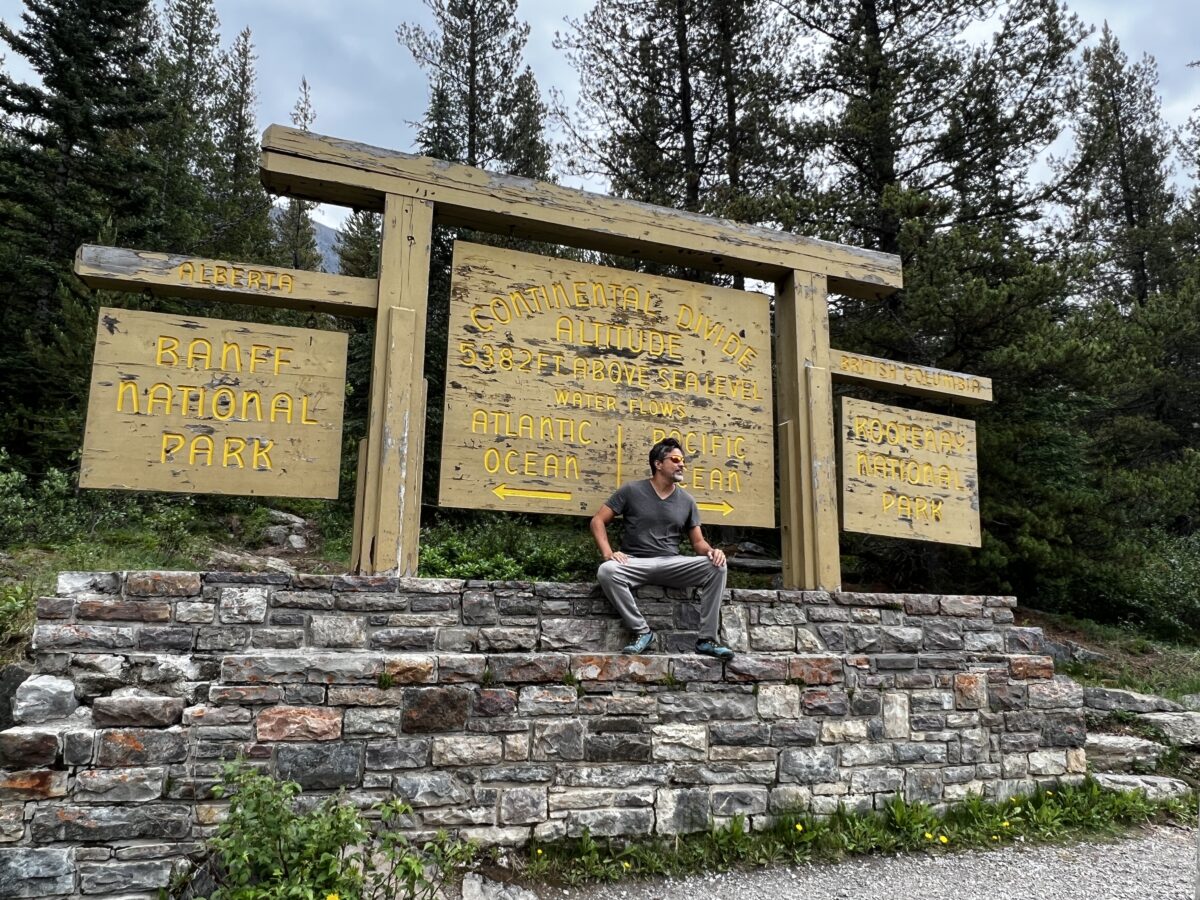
x: 909, y: 474
x: 561, y: 375
x: 211, y: 406
x: 908, y: 378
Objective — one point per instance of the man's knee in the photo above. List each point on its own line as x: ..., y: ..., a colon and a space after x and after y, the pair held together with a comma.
x: 608, y: 572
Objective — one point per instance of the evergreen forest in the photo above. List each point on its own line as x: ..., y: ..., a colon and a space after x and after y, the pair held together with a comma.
x: 1014, y: 156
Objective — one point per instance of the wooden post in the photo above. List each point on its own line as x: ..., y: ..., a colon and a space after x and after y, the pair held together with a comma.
x: 807, y: 459
x: 388, y: 538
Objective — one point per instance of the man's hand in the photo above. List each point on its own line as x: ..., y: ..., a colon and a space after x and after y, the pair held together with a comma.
x: 716, y: 556
x: 619, y: 558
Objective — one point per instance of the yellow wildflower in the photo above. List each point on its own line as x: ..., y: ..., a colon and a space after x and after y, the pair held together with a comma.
x: 928, y: 836
x: 799, y: 827
x: 332, y: 897
x: 539, y: 854
x: 625, y: 864
x: 1004, y: 824
x: 943, y: 839
x: 995, y: 837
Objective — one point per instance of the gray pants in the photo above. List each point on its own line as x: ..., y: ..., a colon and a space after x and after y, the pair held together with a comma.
x: 619, y: 580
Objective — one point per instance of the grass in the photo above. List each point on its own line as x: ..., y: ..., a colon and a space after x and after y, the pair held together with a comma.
x: 1132, y: 661
x: 1060, y: 814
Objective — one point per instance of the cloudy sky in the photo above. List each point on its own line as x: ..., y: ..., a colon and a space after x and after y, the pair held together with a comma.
x: 366, y: 87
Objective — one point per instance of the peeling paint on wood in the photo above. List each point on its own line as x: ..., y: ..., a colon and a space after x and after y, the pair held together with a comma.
x: 561, y: 375
x: 909, y: 474
x: 211, y: 406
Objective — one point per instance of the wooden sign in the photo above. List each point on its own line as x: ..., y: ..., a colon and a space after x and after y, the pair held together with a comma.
x: 561, y: 376
x: 211, y: 406
x: 908, y: 378
x: 909, y: 474
x: 167, y: 275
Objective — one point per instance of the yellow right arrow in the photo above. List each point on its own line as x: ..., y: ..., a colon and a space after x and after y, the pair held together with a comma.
x: 723, y: 507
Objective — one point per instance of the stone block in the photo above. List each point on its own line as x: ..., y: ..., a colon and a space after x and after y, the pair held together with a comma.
x: 821, y: 702
x: 320, y: 767
x: 901, y: 639
x: 677, y: 742
x: 339, y: 632
x: 970, y: 690
x: 479, y: 608
x: 36, y: 872
x: 790, y: 799
x: 875, y: 781
x: 574, y: 634
x: 115, y: 610
x: 169, y: 638
x: 756, y: 668
x: 562, y: 741
x: 507, y: 639
x: 961, y: 606
x: 1111, y: 699
x: 162, y: 584
x: 1048, y: 762
x: 405, y: 753
x: 222, y: 637
x: 867, y: 754
x: 32, y: 784
x: 252, y: 694
x: 124, y: 877
x: 41, y: 698
x: 1181, y: 729
x: 943, y: 635
x: 492, y: 702
x: 798, y: 733
x: 697, y: 707
x: 96, y: 824
x: 82, y: 637
x: 404, y: 639
x: 529, y: 668
x: 739, y: 801
x: 688, y: 669
x: 620, y: 667
x: 12, y: 822
x: 134, y: 707
x: 522, y: 806
x: 1058, y: 693
x: 1025, y: 641
x: 1122, y: 753
x: 815, y: 670
x: 242, y: 605
x: 87, y: 582
x: 1064, y: 729
x: 740, y: 734
x: 470, y: 750
x: 430, y: 789
x: 808, y: 765
x: 303, y: 600
x: 840, y: 731
x: 371, y: 722
x: 772, y: 637
x: 299, y: 723
x: 434, y: 709
x: 140, y: 747
x: 779, y: 701
x: 923, y: 786
x: 120, y: 785
x: 610, y: 822
x: 543, y: 700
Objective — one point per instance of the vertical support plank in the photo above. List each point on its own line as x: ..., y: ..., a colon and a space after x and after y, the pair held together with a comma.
x: 360, y: 489
x: 403, y: 285
x: 808, y: 466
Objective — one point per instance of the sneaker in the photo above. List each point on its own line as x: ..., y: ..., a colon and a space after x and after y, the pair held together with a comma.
x: 712, y: 648
x: 640, y: 643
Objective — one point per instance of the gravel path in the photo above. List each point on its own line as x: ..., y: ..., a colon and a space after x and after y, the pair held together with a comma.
x: 1155, y: 864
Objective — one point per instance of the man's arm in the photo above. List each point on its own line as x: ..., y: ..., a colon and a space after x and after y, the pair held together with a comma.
x: 599, y: 526
x: 703, y: 548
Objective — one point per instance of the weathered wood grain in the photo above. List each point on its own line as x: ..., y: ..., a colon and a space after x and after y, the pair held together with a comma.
x: 907, y: 378
x: 561, y: 376
x: 164, y: 274
x: 909, y: 474
x: 327, y: 169
x: 212, y: 406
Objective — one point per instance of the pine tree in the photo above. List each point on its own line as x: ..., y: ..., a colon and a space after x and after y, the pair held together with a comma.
x: 241, y: 225
x: 1124, y: 219
x: 357, y: 244
x: 183, y: 143
x: 295, y: 244
x: 75, y: 169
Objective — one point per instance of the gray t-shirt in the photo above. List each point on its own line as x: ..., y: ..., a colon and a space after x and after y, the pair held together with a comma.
x: 653, y: 526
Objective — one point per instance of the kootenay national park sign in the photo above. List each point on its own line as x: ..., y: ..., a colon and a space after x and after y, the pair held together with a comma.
x: 210, y: 406
x: 560, y: 376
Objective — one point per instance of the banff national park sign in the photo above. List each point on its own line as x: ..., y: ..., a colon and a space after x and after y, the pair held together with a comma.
x: 203, y: 405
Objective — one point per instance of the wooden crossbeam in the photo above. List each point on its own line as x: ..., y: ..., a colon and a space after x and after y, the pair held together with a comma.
x: 907, y: 378
x: 329, y: 170
x: 165, y: 274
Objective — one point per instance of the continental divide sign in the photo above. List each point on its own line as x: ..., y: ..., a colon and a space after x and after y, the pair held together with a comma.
x: 561, y: 375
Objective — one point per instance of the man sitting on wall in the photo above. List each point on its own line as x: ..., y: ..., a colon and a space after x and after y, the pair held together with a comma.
x: 657, y: 513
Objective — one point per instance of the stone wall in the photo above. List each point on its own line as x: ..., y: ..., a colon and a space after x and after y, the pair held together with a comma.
x: 501, y: 710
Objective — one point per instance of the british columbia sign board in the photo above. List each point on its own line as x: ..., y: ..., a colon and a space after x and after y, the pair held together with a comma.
x: 561, y: 375
x: 909, y: 474
x: 213, y: 406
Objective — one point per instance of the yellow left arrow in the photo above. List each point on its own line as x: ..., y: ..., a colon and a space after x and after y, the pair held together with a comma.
x: 503, y: 491
x: 723, y: 507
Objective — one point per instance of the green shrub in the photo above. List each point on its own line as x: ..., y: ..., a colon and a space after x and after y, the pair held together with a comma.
x: 271, y: 848
x: 499, y: 547
x: 1161, y: 590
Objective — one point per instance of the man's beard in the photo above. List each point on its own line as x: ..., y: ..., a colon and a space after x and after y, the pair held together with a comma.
x: 678, y: 476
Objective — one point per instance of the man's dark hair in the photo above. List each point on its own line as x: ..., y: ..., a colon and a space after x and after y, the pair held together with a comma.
x: 660, y: 450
